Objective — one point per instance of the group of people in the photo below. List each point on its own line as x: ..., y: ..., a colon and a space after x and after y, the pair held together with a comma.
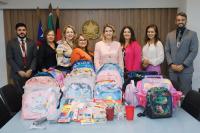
x: 180, y: 49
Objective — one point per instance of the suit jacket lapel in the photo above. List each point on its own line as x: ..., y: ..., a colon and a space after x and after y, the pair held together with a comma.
x: 28, y: 46
x: 18, y: 48
x: 174, y: 39
x: 183, y: 37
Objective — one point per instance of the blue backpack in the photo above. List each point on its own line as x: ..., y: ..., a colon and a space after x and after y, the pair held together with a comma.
x: 159, y: 103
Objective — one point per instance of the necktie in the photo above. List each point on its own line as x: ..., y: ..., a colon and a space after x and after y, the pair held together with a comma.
x: 178, y: 39
x: 23, y: 52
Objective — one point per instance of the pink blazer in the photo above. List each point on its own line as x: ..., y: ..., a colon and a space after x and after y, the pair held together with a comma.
x: 108, y: 53
x: 133, y: 56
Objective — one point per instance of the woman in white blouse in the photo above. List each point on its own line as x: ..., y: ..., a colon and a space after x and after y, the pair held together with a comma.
x: 152, y: 52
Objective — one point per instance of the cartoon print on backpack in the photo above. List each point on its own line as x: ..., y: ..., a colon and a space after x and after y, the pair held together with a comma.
x: 159, y: 103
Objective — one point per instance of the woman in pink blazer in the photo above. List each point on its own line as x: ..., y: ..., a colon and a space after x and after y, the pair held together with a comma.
x: 108, y: 50
x: 131, y: 49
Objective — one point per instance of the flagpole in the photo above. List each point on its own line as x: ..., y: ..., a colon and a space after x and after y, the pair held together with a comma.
x: 38, y: 13
x: 57, y: 12
x: 50, y: 8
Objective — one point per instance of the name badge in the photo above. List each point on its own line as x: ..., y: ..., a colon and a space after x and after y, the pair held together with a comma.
x: 178, y: 44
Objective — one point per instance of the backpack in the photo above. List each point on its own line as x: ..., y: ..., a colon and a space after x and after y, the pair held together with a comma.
x: 41, y: 98
x: 152, y: 81
x: 136, y: 76
x: 159, y: 103
x: 139, y: 75
x: 109, y: 82
x: 79, y: 84
x: 83, y: 64
x: 106, y: 90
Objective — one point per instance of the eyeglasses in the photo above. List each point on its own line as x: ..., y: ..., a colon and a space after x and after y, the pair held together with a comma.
x: 82, y: 40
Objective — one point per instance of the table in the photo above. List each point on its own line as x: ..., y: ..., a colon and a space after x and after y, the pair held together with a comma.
x: 181, y: 122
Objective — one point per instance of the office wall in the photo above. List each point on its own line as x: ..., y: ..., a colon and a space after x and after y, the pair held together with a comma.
x: 3, y: 70
x: 192, y: 10
x: 92, y: 4
x: 136, y: 18
x: 182, y: 6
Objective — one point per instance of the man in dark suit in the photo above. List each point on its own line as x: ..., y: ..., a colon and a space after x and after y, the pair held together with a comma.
x: 181, y: 49
x: 21, y: 56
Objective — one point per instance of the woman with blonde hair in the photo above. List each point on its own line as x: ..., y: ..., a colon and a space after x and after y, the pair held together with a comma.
x: 108, y: 50
x: 65, y: 48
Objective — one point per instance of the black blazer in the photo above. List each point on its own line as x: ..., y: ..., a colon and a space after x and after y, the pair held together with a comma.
x: 46, y: 56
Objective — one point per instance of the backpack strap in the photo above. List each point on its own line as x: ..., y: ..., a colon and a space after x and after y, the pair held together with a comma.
x: 142, y: 114
x: 60, y: 99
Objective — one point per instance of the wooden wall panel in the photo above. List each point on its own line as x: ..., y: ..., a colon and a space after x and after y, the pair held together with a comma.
x: 164, y: 18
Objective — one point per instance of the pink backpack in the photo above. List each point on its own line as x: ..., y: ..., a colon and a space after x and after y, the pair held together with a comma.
x: 40, y: 98
x: 58, y: 75
x: 156, y: 81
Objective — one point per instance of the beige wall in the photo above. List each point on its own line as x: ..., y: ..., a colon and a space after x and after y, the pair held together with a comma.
x: 3, y: 68
x: 90, y: 4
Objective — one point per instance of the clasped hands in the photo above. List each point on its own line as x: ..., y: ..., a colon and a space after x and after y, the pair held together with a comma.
x: 145, y: 63
x: 24, y: 74
x: 177, y: 68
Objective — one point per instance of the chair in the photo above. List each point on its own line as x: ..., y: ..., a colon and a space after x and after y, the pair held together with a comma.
x: 191, y: 103
x: 11, y: 97
x: 4, y: 114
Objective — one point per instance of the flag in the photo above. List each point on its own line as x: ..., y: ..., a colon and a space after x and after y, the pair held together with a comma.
x: 40, y: 37
x: 58, y: 31
x: 50, y: 18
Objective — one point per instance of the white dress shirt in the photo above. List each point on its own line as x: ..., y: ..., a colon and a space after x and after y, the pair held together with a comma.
x: 25, y: 45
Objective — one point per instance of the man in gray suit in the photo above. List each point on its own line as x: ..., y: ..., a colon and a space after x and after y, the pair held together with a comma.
x: 21, y: 56
x: 181, y: 49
